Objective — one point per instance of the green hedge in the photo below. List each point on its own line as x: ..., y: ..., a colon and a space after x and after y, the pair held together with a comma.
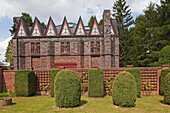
x: 25, y: 83
x: 124, y: 90
x: 96, y: 83
x: 167, y: 89
x: 67, y: 89
x: 53, y: 73
x: 164, y: 72
x: 137, y: 75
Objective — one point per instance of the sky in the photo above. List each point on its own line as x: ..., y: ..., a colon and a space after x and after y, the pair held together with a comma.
x: 57, y: 9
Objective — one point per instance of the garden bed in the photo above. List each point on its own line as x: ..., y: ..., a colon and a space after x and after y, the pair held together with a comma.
x: 5, y: 102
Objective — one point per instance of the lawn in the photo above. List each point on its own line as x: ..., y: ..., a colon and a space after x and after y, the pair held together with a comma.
x: 46, y: 104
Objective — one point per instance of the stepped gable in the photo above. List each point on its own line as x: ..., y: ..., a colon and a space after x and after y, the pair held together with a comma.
x: 22, y: 29
x: 37, y: 29
x: 51, y: 29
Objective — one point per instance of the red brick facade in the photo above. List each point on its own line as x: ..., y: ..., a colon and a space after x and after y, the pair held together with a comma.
x: 46, y: 52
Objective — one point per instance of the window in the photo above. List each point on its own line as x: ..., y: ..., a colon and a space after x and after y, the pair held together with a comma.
x: 38, y: 47
x: 65, y: 47
x: 35, y: 48
x: 32, y: 48
x: 95, y: 47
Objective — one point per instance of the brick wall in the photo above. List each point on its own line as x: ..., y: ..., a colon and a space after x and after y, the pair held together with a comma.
x: 8, y: 80
x: 151, y: 74
x: 1, y: 81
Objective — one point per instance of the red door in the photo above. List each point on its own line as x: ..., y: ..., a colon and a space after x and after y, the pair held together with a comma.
x: 66, y: 65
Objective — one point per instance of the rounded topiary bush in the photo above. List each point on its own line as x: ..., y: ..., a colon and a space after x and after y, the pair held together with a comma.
x: 124, y: 90
x: 162, y: 79
x: 67, y: 89
x: 167, y: 89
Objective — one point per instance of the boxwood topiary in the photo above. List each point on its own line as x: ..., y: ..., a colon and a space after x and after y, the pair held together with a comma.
x: 137, y: 75
x: 164, y: 72
x: 67, y: 89
x: 124, y: 90
x: 167, y: 89
x: 96, y: 83
x: 25, y: 83
x: 53, y: 73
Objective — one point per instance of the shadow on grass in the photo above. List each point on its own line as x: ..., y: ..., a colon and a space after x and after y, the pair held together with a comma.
x: 82, y: 103
x: 163, y: 102
x: 13, y: 104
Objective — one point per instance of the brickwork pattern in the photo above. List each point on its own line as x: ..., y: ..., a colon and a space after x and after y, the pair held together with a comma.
x: 80, y: 50
x: 151, y: 74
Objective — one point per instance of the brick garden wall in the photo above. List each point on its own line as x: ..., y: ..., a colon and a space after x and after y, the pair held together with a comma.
x: 151, y: 74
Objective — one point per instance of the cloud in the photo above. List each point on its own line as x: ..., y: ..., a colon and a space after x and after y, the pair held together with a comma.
x: 60, y: 8
x: 3, y: 46
x: 137, y: 6
x: 43, y: 9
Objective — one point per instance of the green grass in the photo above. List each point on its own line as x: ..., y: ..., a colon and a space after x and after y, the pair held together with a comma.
x: 46, y: 104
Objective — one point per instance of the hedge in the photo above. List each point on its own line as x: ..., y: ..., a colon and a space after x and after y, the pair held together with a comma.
x: 53, y: 73
x: 167, y: 89
x: 164, y: 72
x: 25, y: 83
x: 67, y: 89
x: 137, y: 75
x: 124, y: 90
x: 96, y: 83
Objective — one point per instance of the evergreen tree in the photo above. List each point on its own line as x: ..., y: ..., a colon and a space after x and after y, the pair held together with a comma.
x: 9, y: 52
x: 122, y: 14
x: 151, y: 33
x: 91, y: 21
x: 9, y: 49
x: 28, y: 20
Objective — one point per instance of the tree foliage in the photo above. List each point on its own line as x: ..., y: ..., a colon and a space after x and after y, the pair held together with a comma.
x: 90, y: 22
x: 122, y: 14
x: 9, y: 49
x: 9, y: 52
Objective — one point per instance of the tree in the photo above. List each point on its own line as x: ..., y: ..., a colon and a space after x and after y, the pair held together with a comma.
x: 91, y: 22
x: 28, y: 20
x: 9, y: 52
x: 101, y: 22
x: 151, y: 32
x: 9, y: 49
x: 122, y: 14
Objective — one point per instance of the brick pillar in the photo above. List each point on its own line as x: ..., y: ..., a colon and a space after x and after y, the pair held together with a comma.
x: 116, y: 51
x: 107, y: 38
x: 129, y: 66
x: 158, y: 76
x: 1, y: 80
x: 165, y: 66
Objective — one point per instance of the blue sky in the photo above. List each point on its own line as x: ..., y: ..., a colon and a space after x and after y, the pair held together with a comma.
x: 43, y: 9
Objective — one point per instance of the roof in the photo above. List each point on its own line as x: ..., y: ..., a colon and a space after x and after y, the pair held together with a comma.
x: 5, y: 64
x: 72, y: 27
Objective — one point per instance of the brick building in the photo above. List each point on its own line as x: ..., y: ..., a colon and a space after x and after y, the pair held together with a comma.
x: 70, y: 45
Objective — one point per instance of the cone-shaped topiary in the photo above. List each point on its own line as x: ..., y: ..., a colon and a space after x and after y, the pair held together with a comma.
x: 124, y: 90
x: 167, y: 89
x: 53, y: 73
x: 67, y: 89
x: 164, y: 72
x: 136, y: 73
